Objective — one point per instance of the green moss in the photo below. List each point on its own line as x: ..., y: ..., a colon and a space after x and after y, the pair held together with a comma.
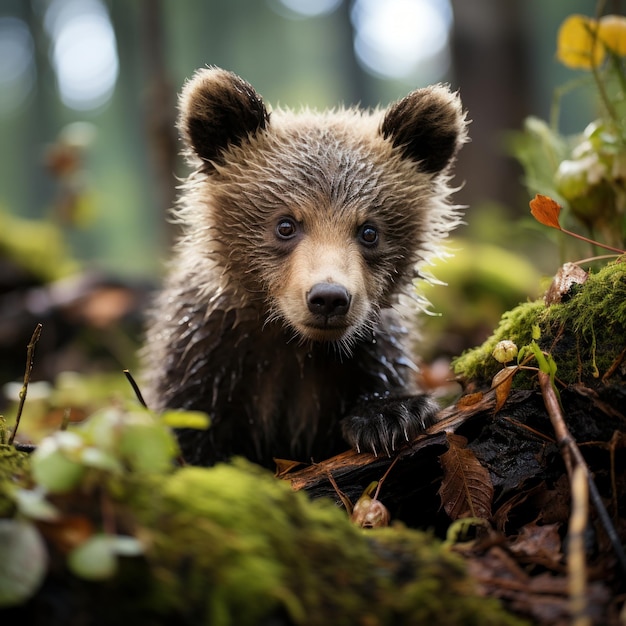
x: 516, y: 325
x: 238, y: 545
x: 35, y: 245
x: 228, y: 546
x: 585, y: 334
x: 13, y: 469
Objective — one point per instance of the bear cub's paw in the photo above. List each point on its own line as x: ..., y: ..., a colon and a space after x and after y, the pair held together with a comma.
x: 381, y: 425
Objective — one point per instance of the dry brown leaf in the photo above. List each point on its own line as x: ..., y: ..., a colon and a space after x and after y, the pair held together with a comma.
x: 520, y: 495
x: 546, y: 211
x: 284, y: 466
x: 539, y: 544
x: 569, y: 274
x: 69, y: 532
x: 501, y: 383
x: 466, y: 489
x: 469, y: 399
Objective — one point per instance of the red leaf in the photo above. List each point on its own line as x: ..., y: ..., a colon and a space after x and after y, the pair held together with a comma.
x: 546, y: 211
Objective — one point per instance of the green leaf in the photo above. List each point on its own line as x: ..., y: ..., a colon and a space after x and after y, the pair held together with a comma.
x: 51, y: 467
x: 539, y: 357
x: 148, y: 447
x: 99, y: 459
x: 33, y: 504
x: 23, y: 561
x: 521, y: 354
x: 95, y: 559
x: 186, y: 419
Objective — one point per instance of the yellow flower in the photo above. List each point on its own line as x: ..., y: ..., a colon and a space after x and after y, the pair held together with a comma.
x: 612, y: 33
x: 578, y: 44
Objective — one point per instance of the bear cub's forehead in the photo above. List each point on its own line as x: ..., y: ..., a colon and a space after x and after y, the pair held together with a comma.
x: 322, y: 166
x: 335, y: 136
x: 342, y: 148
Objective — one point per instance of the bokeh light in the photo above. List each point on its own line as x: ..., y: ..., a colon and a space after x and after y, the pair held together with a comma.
x: 83, y: 52
x: 310, y: 8
x: 403, y: 38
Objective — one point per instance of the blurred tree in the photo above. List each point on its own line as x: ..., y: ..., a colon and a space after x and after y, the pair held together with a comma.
x: 491, y: 69
x: 159, y: 103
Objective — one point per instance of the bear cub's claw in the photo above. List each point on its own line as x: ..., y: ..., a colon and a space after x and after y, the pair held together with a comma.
x: 383, y: 425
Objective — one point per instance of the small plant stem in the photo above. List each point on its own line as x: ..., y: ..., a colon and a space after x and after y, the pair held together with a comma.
x: 135, y: 386
x: 587, y: 240
x: 30, y: 355
x: 606, y: 101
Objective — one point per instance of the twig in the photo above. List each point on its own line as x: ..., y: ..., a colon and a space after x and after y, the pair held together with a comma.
x: 342, y: 496
x: 577, y: 565
x: 571, y: 450
x: 563, y: 436
x: 135, y: 387
x: 65, y: 422
x: 382, y: 480
x: 30, y: 355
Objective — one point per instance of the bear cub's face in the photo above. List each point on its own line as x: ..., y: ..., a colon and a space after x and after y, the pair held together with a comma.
x: 320, y: 218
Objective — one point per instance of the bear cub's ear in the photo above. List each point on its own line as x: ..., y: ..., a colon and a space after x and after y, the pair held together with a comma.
x: 428, y: 125
x: 218, y: 109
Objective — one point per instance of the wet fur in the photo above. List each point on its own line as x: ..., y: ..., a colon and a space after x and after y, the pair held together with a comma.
x: 231, y: 333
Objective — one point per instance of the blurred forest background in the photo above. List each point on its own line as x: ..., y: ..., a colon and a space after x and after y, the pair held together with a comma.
x: 89, y: 154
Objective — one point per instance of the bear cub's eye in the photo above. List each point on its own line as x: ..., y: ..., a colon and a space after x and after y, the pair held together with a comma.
x: 286, y: 228
x: 368, y: 235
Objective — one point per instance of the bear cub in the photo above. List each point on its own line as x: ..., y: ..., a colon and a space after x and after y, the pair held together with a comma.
x: 279, y: 316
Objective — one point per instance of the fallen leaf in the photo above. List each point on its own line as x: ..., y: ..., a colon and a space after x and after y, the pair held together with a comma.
x: 546, y: 211
x: 466, y: 489
x: 69, y: 532
x: 469, y: 399
x: 284, y: 466
x: 539, y: 544
x: 569, y: 274
x: 501, y: 384
x: 501, y: 516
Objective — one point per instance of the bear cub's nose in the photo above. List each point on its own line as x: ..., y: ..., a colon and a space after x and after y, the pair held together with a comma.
x: 328, y: 299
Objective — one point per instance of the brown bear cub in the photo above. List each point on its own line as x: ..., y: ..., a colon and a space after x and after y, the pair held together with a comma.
x: 300, y: 233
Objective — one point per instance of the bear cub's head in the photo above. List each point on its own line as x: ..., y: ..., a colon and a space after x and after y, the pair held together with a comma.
x: 319, y: 220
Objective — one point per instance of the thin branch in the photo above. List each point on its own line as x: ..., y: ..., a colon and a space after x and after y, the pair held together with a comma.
x: 576, y: 562
x: 135, y: 387
x: 617, y: 251
x: 30, y: 356
x: 571, y: 450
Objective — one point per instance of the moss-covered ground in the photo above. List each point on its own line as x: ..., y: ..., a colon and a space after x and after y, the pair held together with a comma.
x: 585, y: 333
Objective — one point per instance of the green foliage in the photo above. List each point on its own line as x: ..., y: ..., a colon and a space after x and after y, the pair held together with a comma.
x: 35, y: 245
x: 586, y: 173
x: 539, y: 150
x: 228, y: 545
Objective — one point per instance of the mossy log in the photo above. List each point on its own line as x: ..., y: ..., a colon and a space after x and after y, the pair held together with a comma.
x: 226, y: 545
